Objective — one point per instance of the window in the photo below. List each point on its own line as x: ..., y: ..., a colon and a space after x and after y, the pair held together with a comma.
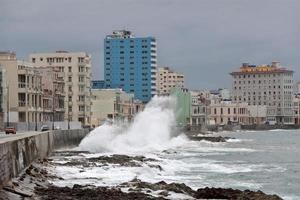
x: 70, y: 98
x: 70, y: 69
x: 81, y: 108
x: 81, y: 79
x: 70, y: 79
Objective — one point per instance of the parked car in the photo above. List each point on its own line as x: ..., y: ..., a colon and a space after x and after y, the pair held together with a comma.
x: 11, y: 130
x: 44, y: 128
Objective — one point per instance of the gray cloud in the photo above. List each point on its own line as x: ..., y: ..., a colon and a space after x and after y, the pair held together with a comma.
x: 204, y: 39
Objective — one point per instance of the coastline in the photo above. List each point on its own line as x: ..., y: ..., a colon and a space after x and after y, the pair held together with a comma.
x: 35, y: 183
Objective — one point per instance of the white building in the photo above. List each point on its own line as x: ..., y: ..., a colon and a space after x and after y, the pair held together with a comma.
x: 268, y: 85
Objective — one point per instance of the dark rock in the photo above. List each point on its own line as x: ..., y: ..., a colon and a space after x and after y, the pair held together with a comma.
x: 210, y: 138
x: 221, y: 193
x: 84, y: 193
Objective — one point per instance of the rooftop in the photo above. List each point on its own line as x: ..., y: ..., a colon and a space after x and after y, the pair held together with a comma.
x: 120, y: 34
x: 275, y: 67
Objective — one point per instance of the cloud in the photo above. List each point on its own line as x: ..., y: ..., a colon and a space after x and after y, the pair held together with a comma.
x: 204, y: 39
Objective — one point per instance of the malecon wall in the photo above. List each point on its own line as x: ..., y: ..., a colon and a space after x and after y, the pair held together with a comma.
x: 18, y: 152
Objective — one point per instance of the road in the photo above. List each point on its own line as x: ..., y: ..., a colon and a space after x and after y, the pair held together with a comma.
x: 6, y: 138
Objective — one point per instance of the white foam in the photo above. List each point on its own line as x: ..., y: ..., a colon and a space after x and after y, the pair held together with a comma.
x: 151, y: 130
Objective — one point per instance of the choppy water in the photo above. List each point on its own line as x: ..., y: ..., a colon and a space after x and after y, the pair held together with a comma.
x: 265, y: 160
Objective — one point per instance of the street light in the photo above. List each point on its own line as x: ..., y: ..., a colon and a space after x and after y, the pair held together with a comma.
x: 7, y: 108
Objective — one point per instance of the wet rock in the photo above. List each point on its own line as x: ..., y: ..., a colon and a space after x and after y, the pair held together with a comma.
x: 171, y: 187
x: 68, y: 153
x: 221, y: 193
x: 122, y: 160
x: 210, y: 138
x: 164, y: 193
x: 82, y: 193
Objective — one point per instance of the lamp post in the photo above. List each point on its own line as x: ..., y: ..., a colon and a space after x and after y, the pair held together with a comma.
x: 36, y: 92
x: 7, y: 106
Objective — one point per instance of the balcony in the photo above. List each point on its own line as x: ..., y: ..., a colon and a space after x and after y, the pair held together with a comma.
x: 22, y: 103
x: 22, y: 85
x: 82, y: 73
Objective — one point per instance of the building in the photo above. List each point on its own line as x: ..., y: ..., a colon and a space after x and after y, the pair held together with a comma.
x: 130, y: 64
x: 24, y: 91
x: 183, y: 105
x: 297, y: 88
x: 269, y: 85
x: 75, y: 69
x: 113, y: 104
x: 296, y: 106
x: 53, y: 98
x: 3, y: 96
x: 167, y: 79
x: 227, y: 112
x: 98, y: 84
x: 198, y: 109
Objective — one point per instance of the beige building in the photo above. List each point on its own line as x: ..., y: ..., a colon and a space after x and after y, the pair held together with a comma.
x: 75, y: 69
x: 268, y: 85
x: 167, y: 79
x: 24, y: 90
x: 227, y: 112
x: 112, y: 104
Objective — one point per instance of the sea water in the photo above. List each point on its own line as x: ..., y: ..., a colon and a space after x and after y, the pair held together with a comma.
x: 255, y: 160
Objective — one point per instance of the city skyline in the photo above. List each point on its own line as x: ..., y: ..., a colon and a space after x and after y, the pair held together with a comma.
x: 204, y: 38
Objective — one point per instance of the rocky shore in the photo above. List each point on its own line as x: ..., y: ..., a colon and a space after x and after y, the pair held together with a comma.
x: 34, y: 183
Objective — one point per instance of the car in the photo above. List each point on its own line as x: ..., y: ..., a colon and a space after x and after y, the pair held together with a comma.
x: 44, y: 128
x: 11, y: 130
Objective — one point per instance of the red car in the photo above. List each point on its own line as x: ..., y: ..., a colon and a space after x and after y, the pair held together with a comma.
x: 9, y: 130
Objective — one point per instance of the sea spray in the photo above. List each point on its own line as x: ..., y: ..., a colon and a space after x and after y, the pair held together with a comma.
x: 150, y: 130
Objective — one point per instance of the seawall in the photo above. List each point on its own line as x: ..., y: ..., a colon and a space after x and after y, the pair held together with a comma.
x: 19, y: 151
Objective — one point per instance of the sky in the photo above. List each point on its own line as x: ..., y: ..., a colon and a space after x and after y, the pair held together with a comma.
x: 203, y: 39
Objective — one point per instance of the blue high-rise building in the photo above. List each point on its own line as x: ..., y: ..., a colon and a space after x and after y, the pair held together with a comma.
x: 130, y: 63
x: 98, y: 84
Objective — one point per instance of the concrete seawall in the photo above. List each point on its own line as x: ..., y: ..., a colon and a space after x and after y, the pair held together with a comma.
x: 19, y: 151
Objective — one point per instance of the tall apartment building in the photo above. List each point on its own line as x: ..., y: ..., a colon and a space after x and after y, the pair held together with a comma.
x: 270, y: 85
x: 167, y: 79
x: 23, y: 89
x: 130, y: 63
x: 75, y: 69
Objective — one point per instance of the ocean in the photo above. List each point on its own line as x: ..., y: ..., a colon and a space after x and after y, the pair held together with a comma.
x: 257, y: 160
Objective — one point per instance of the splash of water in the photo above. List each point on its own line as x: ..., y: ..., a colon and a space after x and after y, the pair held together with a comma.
x: 150, y: 130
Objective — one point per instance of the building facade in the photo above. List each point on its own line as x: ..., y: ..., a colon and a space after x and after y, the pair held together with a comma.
x: 53, y: 97
x: 113, y: 104
x: 227, y: 112
x: 75, y: 69
x: 297, y: 109
x: 198, y: 109
x: 98, y: 84
x: 130, y: 64
x: 268, y: 85
x: 167, y: 79
x: 23, y: 90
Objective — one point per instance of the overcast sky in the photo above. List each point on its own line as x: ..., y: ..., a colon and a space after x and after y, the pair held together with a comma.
x: 204, y: 39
